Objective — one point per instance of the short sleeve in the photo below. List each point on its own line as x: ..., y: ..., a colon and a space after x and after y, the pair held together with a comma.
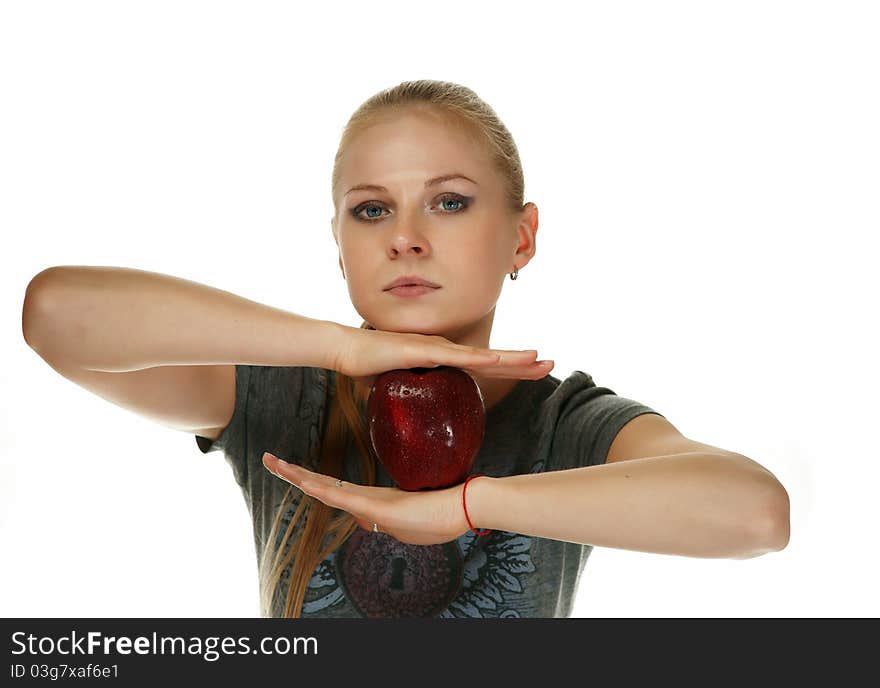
x: 278, y: 409
x: 588, y: 422
x: 233, y: 432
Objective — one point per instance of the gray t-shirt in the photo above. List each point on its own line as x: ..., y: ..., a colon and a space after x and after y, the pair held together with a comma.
x: 541, y: 425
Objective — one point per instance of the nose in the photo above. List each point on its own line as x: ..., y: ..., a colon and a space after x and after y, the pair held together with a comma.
x: 406, y: 237
x: 404, y: 246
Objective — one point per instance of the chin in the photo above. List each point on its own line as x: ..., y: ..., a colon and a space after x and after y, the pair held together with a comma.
x: 412, y: 322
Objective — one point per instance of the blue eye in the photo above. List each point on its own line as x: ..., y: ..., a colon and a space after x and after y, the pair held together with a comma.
x: 462, y: 201
x: 452, y: 200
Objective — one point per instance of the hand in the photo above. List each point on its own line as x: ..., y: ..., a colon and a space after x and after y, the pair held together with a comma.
x: 426, y: 517
x: 368, y: 353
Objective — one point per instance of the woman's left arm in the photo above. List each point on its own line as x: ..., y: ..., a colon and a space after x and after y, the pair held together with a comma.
x: 696, y: 504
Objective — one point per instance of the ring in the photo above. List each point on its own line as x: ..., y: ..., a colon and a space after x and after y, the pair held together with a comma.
x: 338, y: 483
x: 375, y: 527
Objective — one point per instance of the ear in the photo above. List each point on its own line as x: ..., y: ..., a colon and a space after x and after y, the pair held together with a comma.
x: 526, y: 231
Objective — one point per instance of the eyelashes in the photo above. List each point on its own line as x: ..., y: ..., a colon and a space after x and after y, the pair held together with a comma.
x: 463, y: 203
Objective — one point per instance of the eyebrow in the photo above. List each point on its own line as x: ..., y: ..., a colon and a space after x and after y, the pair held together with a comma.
x: 431, y: 182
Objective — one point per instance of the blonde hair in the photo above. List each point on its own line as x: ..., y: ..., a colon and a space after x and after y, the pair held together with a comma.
x: 312, y: 522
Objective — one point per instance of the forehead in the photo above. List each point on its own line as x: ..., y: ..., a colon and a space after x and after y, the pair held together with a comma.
x: 412, y: 146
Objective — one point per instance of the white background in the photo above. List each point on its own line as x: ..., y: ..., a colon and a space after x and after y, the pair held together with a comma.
x: 706, y: 176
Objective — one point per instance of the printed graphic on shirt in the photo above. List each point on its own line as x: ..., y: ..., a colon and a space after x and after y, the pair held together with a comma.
x: 385, y: 578
x: 492, y: 576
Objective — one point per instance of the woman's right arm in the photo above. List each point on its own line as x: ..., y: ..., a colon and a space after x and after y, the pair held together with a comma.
x: 113, y: 319
x: 163, y: 347
x: 166, y: 348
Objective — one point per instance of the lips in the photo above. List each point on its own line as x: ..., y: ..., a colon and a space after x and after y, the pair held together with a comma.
x: 411, y: 280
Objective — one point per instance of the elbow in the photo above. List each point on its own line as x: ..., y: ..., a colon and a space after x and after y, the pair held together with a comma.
x: 29, y: 309
x: 774, y: 528
x: 34, y: 305
x: 782, y: 530
x: 771, y: 525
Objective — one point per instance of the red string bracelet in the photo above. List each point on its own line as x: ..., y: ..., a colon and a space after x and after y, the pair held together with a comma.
x: 464, y: 504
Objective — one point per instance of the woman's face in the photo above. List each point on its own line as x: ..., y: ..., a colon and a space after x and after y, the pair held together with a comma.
x: 456, y: 233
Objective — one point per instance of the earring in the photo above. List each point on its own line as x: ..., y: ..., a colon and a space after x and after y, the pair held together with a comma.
x: 515, y: 273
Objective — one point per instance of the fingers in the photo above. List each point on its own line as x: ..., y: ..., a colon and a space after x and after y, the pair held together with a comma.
x: 533, y: 372
x: 485, y: 359
x: 497, y: 363
x: 346, y: 496
x: 516, y: 364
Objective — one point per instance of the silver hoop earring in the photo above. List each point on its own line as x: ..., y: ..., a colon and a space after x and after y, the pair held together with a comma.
x: 515, y: 273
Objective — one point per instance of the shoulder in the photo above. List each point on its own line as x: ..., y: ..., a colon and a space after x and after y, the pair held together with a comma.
x: 580, y: 419
x: 653, y: 435
x: 576, y: 394
x: 629, y: 428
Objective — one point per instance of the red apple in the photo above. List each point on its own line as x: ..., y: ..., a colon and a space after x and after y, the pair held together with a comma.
x: 426, y: 425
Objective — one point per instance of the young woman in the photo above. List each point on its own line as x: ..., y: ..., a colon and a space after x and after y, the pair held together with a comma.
x: 427, y: 188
